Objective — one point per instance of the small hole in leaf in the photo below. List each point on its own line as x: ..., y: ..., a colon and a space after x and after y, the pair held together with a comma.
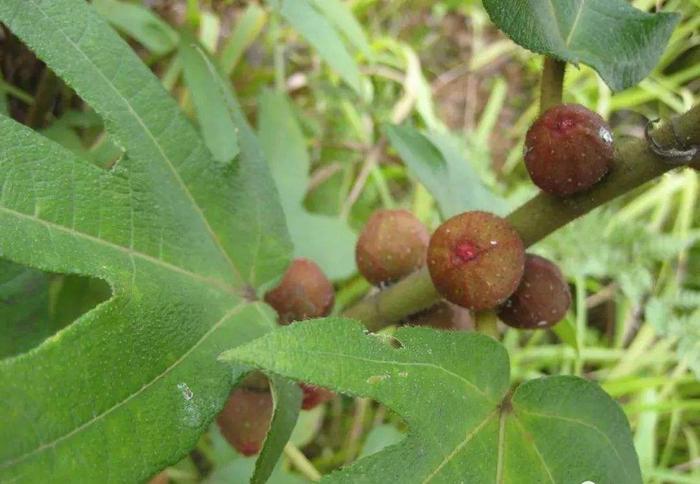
x: 35, y: 305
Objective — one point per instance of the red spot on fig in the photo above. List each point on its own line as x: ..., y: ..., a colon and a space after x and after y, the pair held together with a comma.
x: 466, y: 251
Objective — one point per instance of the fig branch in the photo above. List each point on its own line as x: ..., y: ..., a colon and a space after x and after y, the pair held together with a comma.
x: 636, y: 162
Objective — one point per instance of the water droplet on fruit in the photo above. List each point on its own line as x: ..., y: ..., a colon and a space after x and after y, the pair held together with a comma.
x: 605, y: 134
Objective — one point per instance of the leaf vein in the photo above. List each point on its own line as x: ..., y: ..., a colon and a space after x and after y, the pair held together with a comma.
x: 216, y: 283
x: 461, y: 445
x: 51, y: 445
x: 154, y: 141
x: 584, y: 424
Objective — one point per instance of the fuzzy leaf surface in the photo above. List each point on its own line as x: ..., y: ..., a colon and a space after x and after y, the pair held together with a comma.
x: 24, y: 308
x: 453, y: 391
x: 619, y: 41
x: 181, y: 240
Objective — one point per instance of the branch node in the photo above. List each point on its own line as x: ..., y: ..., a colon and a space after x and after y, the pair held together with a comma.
x: 680, y: 154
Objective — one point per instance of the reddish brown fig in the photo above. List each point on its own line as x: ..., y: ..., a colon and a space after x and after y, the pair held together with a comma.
x: 160, y: 478
x: 304, y: 292
x: 443, y: 315
x: 476, y: 260
x: 245, y: 420
x: 568, y: 150
x: 542, y: 298
x: 391, y: 246
x: 314, y: 396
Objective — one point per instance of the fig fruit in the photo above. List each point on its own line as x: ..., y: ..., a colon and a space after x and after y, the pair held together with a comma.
x: 542, y: 298
x: 568, y: 150
x: 245, y: 420
x: 476, y: 260
x: 392, y: 245
x: 314, y: 396
x: 444, y: 315
x: 303, y: 293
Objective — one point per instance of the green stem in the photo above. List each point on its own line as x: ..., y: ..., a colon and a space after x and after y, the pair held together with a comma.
x: 299, y: 460
x: 635, y: 164
x: 49, y: 87
x: 552, y: 86
x: 487, y: 323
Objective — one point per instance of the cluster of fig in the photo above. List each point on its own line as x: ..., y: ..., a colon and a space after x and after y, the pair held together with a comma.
x: 394, y: 244
x: 477, y: 260
x: 304, y: 292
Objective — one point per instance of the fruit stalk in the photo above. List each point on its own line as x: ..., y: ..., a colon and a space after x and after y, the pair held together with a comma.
x: 552, y: 84
x: 635, y: 164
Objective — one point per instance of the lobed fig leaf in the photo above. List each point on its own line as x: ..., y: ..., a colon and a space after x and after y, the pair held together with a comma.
x: 619, y: 41
x: 467, y: 424
x: 183, y: 242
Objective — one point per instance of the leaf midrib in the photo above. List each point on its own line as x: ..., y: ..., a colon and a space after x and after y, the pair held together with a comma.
x: 209, y: 281
x: 404, y: 363
x: 583, y: 424
x: 470, y: 435
x: 43, y: 447
x: 557, y: 23
x: 168, y: 162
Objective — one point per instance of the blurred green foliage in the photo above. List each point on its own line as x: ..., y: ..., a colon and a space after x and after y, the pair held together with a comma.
x: 341, y: 72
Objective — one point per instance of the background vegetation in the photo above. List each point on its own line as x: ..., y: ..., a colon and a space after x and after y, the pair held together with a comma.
x: 322, y: 84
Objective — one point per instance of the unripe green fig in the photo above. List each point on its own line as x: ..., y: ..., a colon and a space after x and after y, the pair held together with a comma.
x: 391, y: 246
x: 314, y: 396
x: 444, y: 315
x: 542, y: 298
x: 568, y: 150
x: 245, y: 419
x: 303, y: 293
x: 476, y: 260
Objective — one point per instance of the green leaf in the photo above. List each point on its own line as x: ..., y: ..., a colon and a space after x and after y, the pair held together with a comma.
x: 140, y: 24
x: 619, y: 41
x: 328, y: 241
x: 453, y: 183
x: 240, y: 470
x: 244, y: 33
x: 453, y: 391
x: 379, y: 438
x: 181, y: 240
x: 209, y: 97
x: 286, y: 396
x: 340, y: 14
x: 319, y: 32
x: 24, y: 308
